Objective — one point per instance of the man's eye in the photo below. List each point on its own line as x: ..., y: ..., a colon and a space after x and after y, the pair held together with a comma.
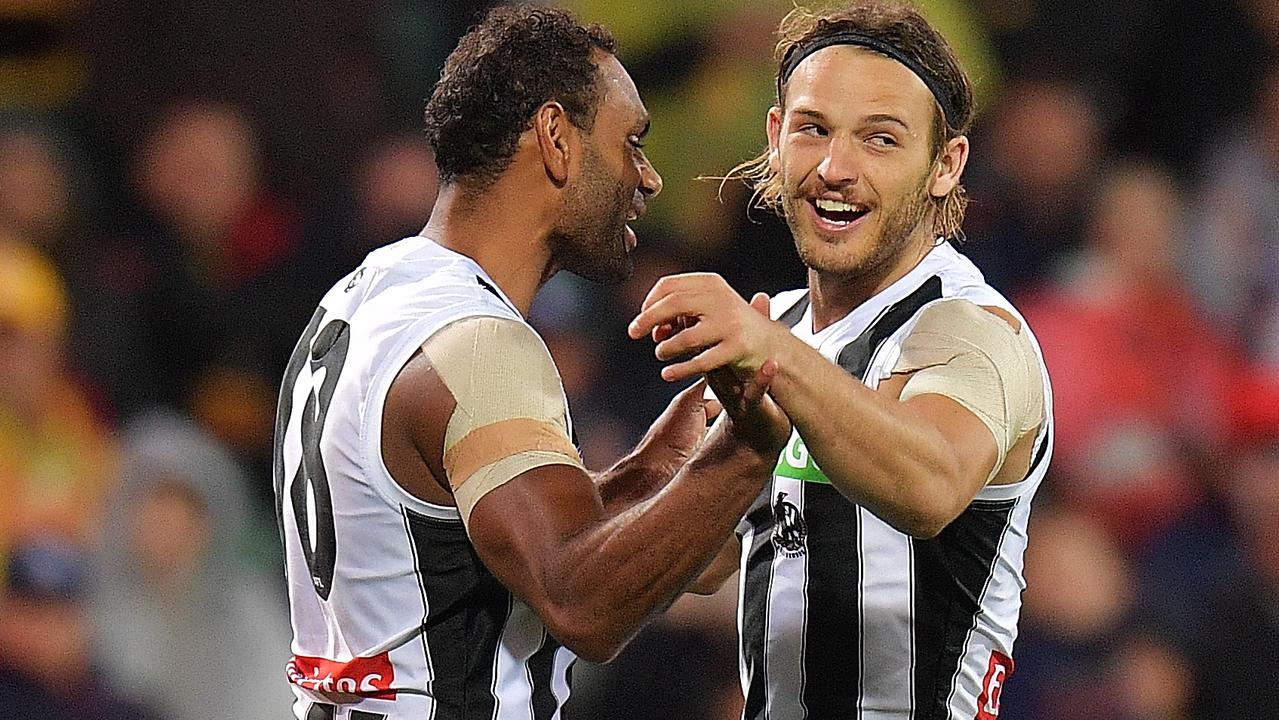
x: 883, y: 141
x: 811, y: 129
x: 637, y: 143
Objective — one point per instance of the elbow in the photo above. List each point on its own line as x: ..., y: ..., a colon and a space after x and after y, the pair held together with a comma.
x: 923, y: 527
x: 925, y: 516
x: 592, y: 639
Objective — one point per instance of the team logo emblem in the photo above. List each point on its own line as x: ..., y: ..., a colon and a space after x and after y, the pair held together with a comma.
x: 789, y: 530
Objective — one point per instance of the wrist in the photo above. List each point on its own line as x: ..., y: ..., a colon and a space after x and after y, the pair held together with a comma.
x: 727, y: 442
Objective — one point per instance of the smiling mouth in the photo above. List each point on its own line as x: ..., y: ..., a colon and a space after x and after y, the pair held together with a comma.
x: 837, y: 212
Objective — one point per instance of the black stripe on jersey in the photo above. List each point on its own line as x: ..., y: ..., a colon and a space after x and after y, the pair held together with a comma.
x: 467, y: 611
x: 951, y: 573
x: 755, y: 601
x: 832, y: 661
x: 426, y: 608
x: 855, y: 357
x: 489, y: 286
x: 541, y: 668
x: 320, y: 711
x: 361, y: 715
x: 795, y: 312
x: 832, y: 642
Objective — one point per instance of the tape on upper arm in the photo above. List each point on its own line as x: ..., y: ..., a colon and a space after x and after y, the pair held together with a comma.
x: 972, y: 356
x: 510, y: 414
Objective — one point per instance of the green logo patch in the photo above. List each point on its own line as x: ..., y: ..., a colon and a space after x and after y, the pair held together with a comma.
x: 797, y: 464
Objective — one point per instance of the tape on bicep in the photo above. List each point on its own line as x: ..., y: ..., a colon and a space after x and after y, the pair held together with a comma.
x: 510, y: 413
x: 960, y: 351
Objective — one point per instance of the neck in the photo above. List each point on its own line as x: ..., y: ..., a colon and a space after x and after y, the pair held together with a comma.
x: 835, y: 295
x: 502, y: 232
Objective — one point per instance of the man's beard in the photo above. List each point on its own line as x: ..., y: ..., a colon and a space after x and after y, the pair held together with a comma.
x: 897, y: 226
x: 592, y: 242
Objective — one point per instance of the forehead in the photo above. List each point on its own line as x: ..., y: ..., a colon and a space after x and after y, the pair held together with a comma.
x: 844, y: 80
x: 619, y: 101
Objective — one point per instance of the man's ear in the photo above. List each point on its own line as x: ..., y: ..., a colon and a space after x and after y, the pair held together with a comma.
x: 774, y: 130
x: 556, y: 140
x: 949, y: 167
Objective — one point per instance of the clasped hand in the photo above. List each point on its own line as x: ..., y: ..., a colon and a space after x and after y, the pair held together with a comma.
x: 699, y: 318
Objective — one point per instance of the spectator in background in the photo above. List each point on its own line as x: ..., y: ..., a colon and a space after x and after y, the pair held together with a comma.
x: 1080, y: 654
x: 45, y: 198
x: 1233, y: 258
x: 177, y: 590
x: 395, y: 187
x: 1139, y: 374
x: 56, y: 458
x: 237, y: 275
x: 45, y: 660
x: 307, y: 71
x: 1031, y: 191
x: 1236, y: 651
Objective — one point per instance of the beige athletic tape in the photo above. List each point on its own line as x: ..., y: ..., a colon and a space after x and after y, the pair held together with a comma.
x: 975, y: 358
x: 510, y: 414
x: 486, y: 445
x: 491, y: 477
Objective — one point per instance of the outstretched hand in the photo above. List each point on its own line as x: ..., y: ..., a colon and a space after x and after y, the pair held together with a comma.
x: 677, y: 432
x: 702, y: 324
x: 699, y: 313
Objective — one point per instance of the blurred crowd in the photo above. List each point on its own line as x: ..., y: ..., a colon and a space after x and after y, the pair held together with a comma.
x: 181, y: 181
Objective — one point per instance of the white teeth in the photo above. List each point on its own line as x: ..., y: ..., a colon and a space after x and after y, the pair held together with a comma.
x: 834, y: 205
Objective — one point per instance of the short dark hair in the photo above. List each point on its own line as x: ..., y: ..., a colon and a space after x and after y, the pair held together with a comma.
x: 506, y: 67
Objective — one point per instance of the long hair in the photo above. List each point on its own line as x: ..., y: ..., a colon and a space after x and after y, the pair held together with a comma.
x: 907, y: 30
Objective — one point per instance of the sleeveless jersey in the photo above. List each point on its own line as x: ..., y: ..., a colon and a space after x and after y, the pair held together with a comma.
x: 393, y: 613
x: 842, y: 616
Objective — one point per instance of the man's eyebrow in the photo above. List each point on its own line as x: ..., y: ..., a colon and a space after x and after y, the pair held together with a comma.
x: 871, y: 119
x: 886, y: 118
x: 643, y: 126
x: 810, y: 113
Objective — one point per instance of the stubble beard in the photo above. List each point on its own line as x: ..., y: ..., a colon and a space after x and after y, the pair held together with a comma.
x: 898, y: 226
x: 592, y: 241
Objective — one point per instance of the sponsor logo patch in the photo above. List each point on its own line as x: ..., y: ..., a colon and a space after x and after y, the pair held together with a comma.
x: 359, y: 677
x: 797, y: 464
x: 992, y: 686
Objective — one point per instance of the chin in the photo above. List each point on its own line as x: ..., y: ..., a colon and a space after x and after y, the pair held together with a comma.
x: 610, y: 270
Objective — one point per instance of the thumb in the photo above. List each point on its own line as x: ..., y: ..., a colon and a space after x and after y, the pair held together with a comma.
x: 760, y: 302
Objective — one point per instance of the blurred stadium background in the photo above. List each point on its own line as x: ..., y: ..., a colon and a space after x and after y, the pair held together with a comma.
x: 181, y: 180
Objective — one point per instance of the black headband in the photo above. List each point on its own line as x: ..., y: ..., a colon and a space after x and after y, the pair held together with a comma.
x: 796, y: 55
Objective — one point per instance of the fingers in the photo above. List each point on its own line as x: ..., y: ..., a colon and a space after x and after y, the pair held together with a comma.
x: 694, y: 339
x: 754, y: 389
x: 762, y: 305
x: 680, y: 295
x: 678, y: 311
x: 702, y: 363
x: 713, y: 408
x: 693, y: 393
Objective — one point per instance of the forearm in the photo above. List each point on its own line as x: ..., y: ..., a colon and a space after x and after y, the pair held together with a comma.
x: 874, y: 449
x: 636, y: 477
x: 618, y: 572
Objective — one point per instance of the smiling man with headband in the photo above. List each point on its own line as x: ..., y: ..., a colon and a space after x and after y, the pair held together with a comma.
x: 882, y: 565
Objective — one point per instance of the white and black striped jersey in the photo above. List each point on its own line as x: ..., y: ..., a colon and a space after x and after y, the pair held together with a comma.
x: 393, y: 613
x: 842, y: 616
